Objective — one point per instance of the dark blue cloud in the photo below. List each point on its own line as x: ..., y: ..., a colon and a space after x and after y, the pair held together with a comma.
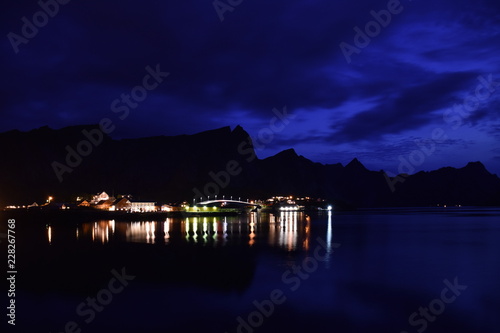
x: 407, y: 109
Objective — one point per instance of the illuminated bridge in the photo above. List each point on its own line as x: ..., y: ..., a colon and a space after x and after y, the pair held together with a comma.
x: 208, y: 202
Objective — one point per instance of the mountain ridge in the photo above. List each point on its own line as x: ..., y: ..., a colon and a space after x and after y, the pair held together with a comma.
x: 172, y: 168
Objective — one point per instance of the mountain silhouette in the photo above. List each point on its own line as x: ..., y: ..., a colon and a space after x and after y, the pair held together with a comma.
x: 82, y: 160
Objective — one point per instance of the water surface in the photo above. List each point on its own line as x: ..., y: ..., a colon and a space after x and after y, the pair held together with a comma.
x: 367, y: 271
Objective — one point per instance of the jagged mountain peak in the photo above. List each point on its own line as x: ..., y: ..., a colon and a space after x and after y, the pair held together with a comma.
x: 288, y: 153
x: 476, y: 166
x: 355, y: 164
x: 238, y: 128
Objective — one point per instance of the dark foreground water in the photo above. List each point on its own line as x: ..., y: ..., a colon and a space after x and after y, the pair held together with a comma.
x: 432, y: 270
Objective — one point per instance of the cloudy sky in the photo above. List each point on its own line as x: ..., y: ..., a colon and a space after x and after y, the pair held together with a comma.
x: 422, y: 85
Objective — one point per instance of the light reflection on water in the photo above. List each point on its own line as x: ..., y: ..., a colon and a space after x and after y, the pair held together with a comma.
x: 49, y: 234
x: 289, y: 230
x: 390, y: 263
x: 99, y: 232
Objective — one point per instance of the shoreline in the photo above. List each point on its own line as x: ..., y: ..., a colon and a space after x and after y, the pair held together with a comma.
x: 85, y: 214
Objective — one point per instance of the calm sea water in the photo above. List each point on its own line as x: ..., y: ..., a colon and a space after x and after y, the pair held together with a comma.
x: 394, y: 270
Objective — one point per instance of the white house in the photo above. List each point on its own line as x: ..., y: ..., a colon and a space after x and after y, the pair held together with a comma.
x: 142, y: 207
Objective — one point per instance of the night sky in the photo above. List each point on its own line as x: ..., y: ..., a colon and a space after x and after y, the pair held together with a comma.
x: 424, y: 88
